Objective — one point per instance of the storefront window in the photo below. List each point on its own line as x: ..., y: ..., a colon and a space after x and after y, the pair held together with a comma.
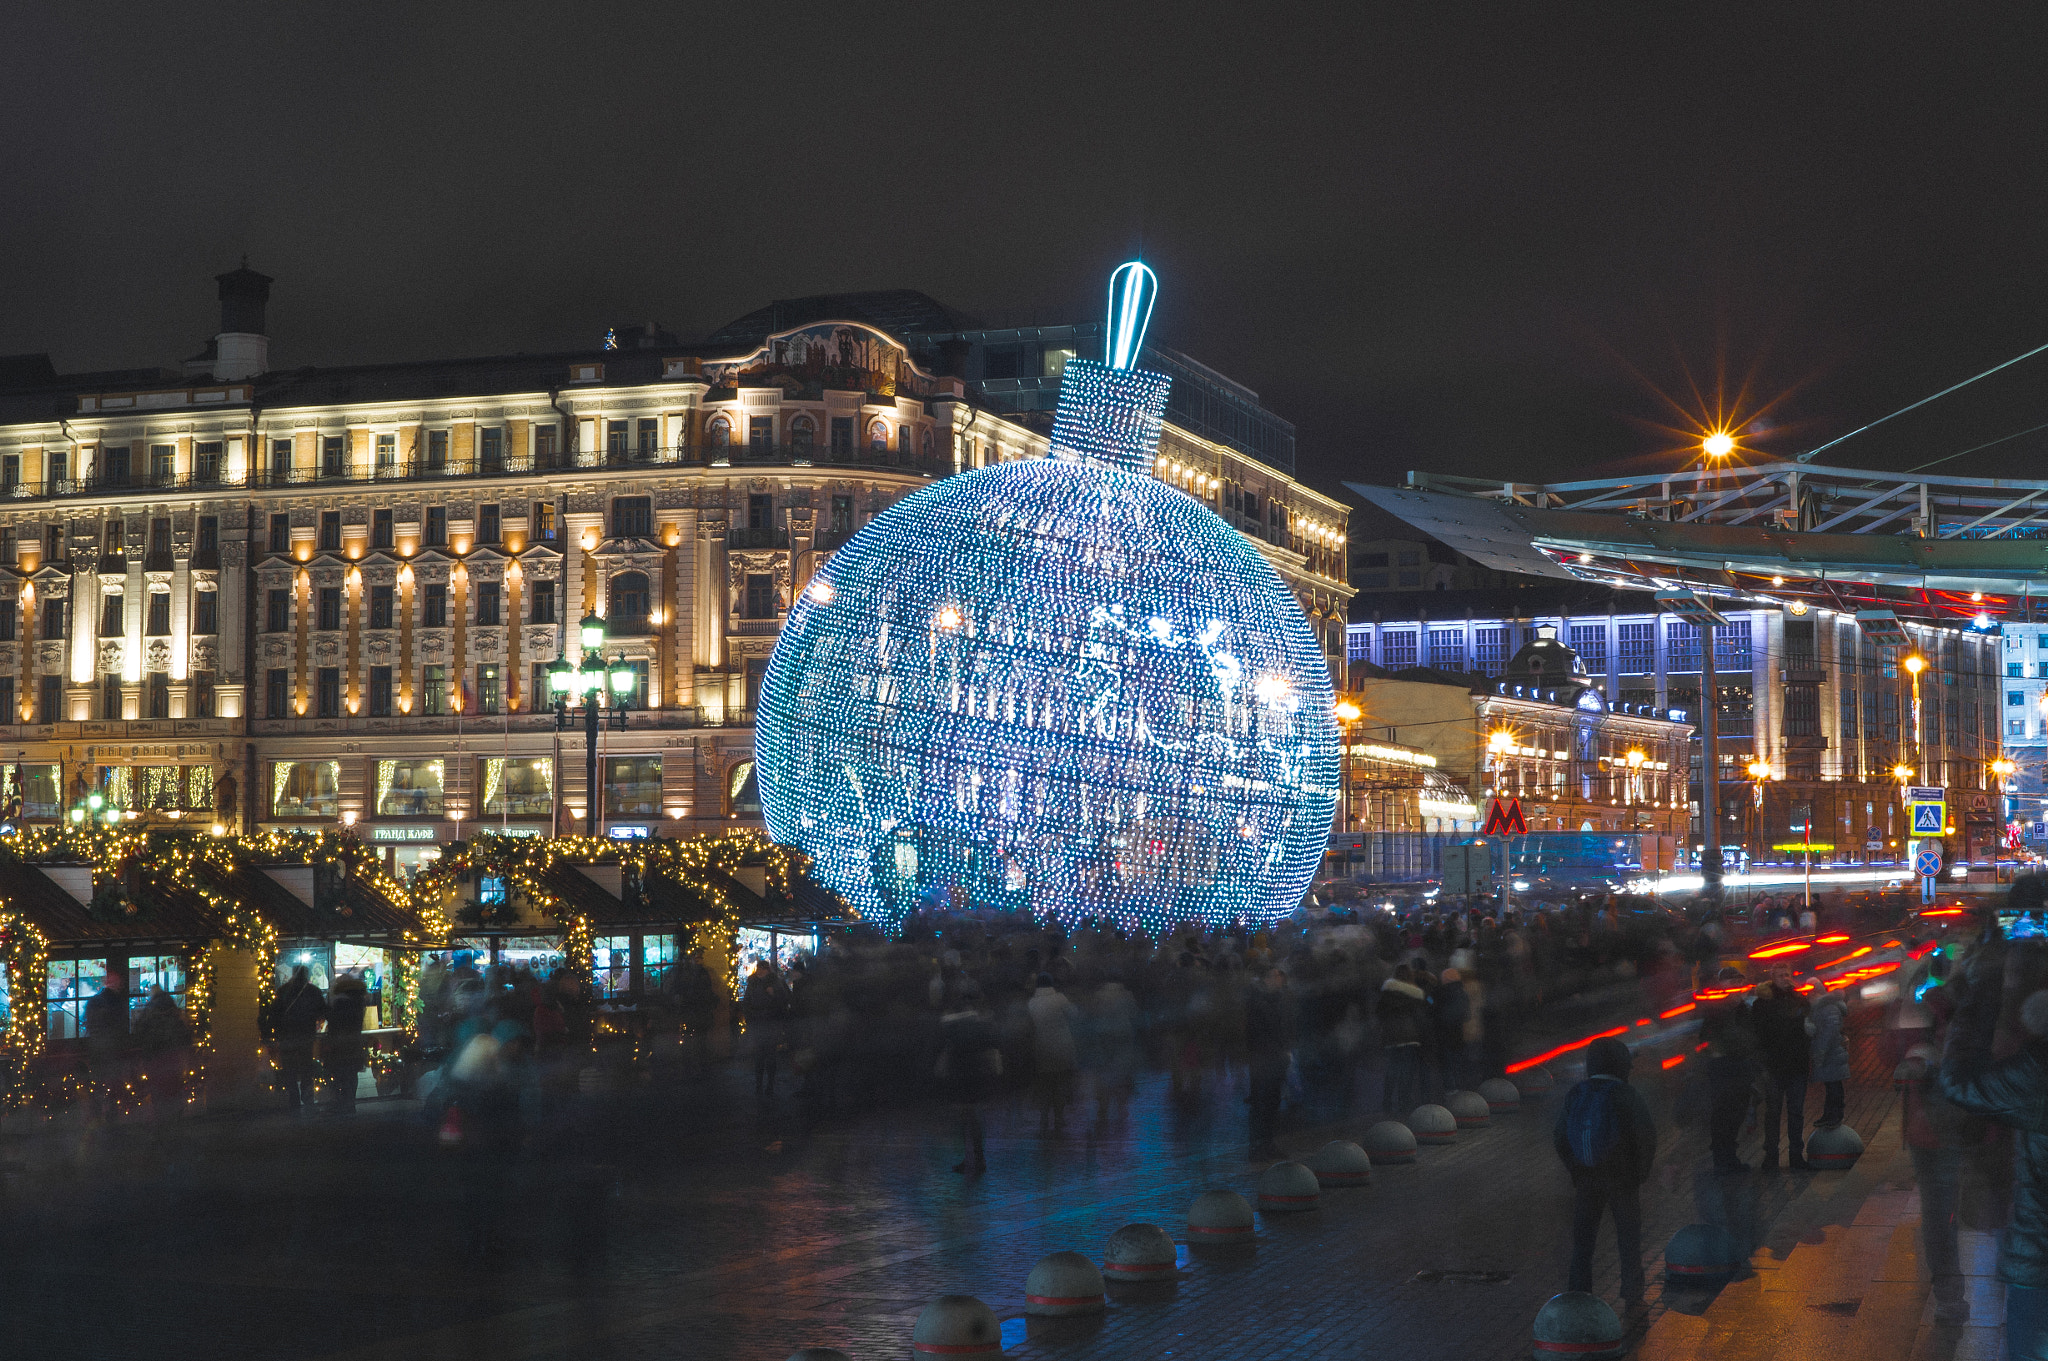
x: 162, y: 971
x: 657, y: 961
x: 162, y: 787
x: 199, y: 794
x: 305, y: 789
x: 541, y: 954
x: 38, y: 786
x: 117, y: 784
x: 409, y: 789
x: 6, y: 998
x: 632, y: 787
x: 611, y: 970
x: 470, y: 952
x: 316, y: 956
x: 370, y: 963
x: 520, y: 788
x: 72, y: 982
x: 781, y: 948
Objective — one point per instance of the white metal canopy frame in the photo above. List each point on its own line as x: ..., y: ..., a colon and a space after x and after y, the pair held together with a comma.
x: 1954, y: 550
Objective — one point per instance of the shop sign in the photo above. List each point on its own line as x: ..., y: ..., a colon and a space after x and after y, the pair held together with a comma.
x: 629, y: 833
x: 401, y: 833
x: 163, y: 751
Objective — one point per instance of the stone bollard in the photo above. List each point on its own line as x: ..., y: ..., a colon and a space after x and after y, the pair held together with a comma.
x: 1341, y: 1163
x: 957, y: 1325
x: 1062, y: 1286
x: 1577, y: 1325
x: 1834, y: 1148
x: 819, y: 1354
x: 1502, y: 1096
x: 1388, y: 1143
x: 1470, y: 1109
x: 1140, y: 1252
x: 1287, y: 1188
x: 1433, y: 1125
x: 1533, y: 1081
x: 1220, y: 1217
x: 1702, y: 1255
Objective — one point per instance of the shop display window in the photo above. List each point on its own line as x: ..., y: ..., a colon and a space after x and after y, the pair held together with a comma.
x: 781, y: 948
x: 542, y: 954
x: 611, y: 970
x: 317, y: 956
x: 372, y: 964
x: 71, y: 984
x: 657, y: 961
x: 117, y: 784
x: 410, y: 789
x: 39, y: 786
x: 632, y: 787
x: 305, y: 789
x: 518, y: 788
x: 147, y: 971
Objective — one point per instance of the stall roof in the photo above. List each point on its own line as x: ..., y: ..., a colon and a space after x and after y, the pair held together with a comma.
x: 356, y: 912
x: 167, y: 914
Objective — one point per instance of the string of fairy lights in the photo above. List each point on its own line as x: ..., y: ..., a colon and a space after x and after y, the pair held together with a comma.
x: 131, y: 872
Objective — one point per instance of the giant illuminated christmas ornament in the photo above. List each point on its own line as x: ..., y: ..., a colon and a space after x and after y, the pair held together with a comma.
x: 1056, y: 685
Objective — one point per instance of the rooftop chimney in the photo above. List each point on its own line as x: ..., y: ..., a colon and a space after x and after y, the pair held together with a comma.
x: 242, y: 349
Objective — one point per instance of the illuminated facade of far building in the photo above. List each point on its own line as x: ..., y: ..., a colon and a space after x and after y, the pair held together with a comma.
x: 286, y: 597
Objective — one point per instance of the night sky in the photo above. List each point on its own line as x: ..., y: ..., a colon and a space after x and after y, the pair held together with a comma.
x: 1478, y: 239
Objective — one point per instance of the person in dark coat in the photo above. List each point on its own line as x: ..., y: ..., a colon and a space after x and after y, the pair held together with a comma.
x: 295, y: 1020
x: 1610, y: 1183
x: 1777, y: 1015
x: 341, y: 1048
x: 1401, y: 1009
x: 765, y: 1005
x: 2012, y: 1090
x: 969, y: 1067
x: 1729, y: 1080
x: 107, y: 1039
x: 1269, y: 1041
x: 163, y: 1040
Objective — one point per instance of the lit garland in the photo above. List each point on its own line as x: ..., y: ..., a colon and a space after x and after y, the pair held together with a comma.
x: 1056, y: 686
x: 25, y: 953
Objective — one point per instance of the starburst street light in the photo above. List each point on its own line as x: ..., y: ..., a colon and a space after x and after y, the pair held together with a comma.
x: 1718, y: 444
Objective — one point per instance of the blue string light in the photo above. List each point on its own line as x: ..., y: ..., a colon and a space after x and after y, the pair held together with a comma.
x: 1056, y: 686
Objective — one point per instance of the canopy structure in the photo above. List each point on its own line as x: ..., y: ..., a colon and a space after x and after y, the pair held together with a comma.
x: 1966, y: 551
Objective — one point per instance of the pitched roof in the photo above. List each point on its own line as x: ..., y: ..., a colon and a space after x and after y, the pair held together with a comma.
x: 898, y: 311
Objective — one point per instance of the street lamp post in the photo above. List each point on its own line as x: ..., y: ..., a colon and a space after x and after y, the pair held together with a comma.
x: 1498, y: 744
x: 2002, y: 767
x: 1348, y: 713
x: 589, y: 680
x: 1915, y: 664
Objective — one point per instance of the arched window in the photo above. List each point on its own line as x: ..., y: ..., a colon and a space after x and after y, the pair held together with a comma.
x: 878, y: 436
x: 629, y: 603
x: 927, y: 440
x: 803, y: 433
x: 718, y: 434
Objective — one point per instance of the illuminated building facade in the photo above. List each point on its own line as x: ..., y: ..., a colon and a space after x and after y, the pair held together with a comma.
x: 305, y: 597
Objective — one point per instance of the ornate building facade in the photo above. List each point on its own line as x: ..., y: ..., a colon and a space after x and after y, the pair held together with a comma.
x: 308, y: 597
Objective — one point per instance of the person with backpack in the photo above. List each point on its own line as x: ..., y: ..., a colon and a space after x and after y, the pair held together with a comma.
x: 1778, y: 1018
x: 1607, y: 1140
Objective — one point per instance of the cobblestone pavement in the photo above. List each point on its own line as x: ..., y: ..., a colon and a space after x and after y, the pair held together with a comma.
x: 691, y: 1225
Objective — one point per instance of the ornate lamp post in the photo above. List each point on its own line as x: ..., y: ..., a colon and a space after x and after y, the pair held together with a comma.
x: 2003, y: 767
x: 566, y: 678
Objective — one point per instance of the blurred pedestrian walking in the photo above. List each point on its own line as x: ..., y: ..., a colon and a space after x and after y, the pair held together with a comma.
x: 969, y: 1067
x: 1269, y: 1045
x: 341, y: 1047
x: 1053, y: 1054
x: 295, y: 1020
x: 1607, y: 1140
x: 163, y: 1042
x: 1401, y: 1010
x: 1778, y: 1015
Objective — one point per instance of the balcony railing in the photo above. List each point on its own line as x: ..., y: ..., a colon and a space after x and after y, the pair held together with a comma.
x: 117, y: 482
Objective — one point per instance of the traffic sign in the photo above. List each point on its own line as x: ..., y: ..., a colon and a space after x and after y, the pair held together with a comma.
x: 1927, y: 819
x: 1504, y: 818
x: 1918, y: 793
x: 1927, y: 863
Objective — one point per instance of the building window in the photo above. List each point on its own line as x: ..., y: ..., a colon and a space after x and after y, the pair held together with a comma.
x: 53, y: 618
x: 629, y: 602
x: 1638, y: 647
x: 904, y: 435
x: 202, y: 690
x: 280, y: 460
x: 2014, y: 698
x: 206, y: 613
x: 160, y: 539
x: 159, y: 622
x: 380, y: 692
x: 50, y: 699
x: 760, y: 511
x: 542, y: 594
x: 759, y: 602
x: 380, y: 607
x: 1397, y: 649
x: 490, y: 688
x: 842, y: 437
x: 437, y: 526
x: 115, y: 536
x: 110, y: 696
x: 53, y: 543
x: 163, y: 462
x: 434, y: 603
x: 159, y: 692
x: 2016, y: 727
x: 411, y: 789
x: 1590, y: 642
x: 10, y: 611
x: 842, y: 515
x: 206, y: 551
x: 328, y: 690
x: 8, y: 713
x: 761, y: 433
x: 544, y: 521
x: 330, y: 608
x: 632, y: 516
x: 488, y: 596
x: 434, y: 690
x: 277, y: 693
x: 611, y: 965
x: 330, y: 529
x: 632, y: 787
x: 331, y: 455
x: 10, y: 471
x: 278, y: 614
x: 547, y: 445
x: 650, y: 436
x: 70, y: 984
x: 437, y: 451
x: 387, y: 454
x: 718, y: 434
x: 1447, y: 649
x: 281, y: 533
x: 113, y: 617
x: 491, y: 449
x: 380, y: 529
x: 803, y: 433
x: 487, y: 524
x: 114, y: 471
x: 206, y: 461
x: 878, y: 437
x: 305, y: 789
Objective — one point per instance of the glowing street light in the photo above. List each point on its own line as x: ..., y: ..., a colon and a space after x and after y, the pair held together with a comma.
x: 1718, y: 444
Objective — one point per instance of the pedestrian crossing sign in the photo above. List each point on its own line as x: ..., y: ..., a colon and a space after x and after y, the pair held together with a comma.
x: 1928, y: 819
